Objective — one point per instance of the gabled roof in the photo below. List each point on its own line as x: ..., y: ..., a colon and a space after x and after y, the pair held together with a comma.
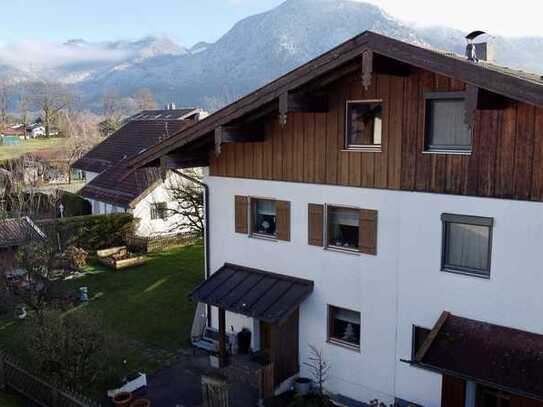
x: 513, y: 84
x: 121, y: 186
x: 131, y: 139
x: 502, y: 357
x: 166, y: 114
x: 17, y: 232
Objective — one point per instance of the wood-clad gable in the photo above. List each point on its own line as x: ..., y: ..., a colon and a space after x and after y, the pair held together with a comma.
x: 506, y: 160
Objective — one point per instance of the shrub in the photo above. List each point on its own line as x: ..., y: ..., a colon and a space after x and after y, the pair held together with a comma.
x: 93, y: 232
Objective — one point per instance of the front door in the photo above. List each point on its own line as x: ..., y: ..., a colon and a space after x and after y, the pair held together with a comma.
x: 265, y: 336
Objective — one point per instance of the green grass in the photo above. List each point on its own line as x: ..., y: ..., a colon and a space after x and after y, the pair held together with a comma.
x: 148, y: 304
x: 9, y: 152
x: 10, y: 400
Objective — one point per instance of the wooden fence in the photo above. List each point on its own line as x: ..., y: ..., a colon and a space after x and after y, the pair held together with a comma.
x: 15, y: 377
x: 158, y: 243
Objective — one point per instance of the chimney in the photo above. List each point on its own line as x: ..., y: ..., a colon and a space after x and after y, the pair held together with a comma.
x: 480, y: 51
x: 172, y: 106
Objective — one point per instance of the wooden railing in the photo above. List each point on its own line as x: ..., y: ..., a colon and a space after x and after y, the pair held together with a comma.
x: 45, y: 394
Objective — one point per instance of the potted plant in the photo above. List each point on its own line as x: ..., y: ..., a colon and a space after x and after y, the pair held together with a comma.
x: 302, y: 385
x: 141, y: 403
x: 122, y: 399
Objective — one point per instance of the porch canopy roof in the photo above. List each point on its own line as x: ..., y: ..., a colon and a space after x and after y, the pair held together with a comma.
x: 262, y: 295
x: 505, y: 358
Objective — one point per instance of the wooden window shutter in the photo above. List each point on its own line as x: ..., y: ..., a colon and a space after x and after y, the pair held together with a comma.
x: 315, y: 216
x: 367, y: 235
x: 283, y: 220
x: 242, y: 221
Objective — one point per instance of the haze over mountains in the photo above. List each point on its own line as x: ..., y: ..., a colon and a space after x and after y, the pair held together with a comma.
x: 253, y: 52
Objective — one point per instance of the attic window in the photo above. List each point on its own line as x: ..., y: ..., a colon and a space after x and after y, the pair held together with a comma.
x: 364, y: 125
x: 446, y: 128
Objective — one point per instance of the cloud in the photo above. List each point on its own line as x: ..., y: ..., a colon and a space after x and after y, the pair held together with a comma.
x: 29, y: 55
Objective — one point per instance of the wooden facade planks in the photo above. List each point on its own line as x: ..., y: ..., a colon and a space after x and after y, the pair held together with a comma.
x: 506, y: 161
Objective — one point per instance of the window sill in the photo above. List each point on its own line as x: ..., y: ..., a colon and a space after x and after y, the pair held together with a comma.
x: 342, y: 250
x: 466, y: 273
x: 262, y: 237
x: 363, y: 149
x: 344, y: 345
x: 448, y: 152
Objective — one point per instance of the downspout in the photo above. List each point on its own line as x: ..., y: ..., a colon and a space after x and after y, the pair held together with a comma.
x: 206, y: 230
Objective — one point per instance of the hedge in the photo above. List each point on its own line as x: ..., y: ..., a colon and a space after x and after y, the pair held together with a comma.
x: 74, y: 205
x: 93, y: 232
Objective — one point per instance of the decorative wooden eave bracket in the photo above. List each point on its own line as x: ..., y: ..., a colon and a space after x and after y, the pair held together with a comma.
x: 367, y: 68
x: 237, y: 134
x: 182, y: 160
x: 301, y: 103
x: 431, y: 337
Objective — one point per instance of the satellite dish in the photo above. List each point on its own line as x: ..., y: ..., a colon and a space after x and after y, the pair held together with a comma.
x: 474, y: 34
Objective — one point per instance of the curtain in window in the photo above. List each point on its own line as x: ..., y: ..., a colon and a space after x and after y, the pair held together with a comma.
x: 447, y: 124
x: 265, y: 207
x: 347, y: 316
x: 343, y: 216
x: 467, y: 246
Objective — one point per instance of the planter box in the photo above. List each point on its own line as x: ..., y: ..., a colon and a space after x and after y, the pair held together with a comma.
x: 121, y: 250
x: 119, y: 264
x: 131, y: 386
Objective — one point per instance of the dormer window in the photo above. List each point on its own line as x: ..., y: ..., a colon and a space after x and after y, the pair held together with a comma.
x: 364, y: 125
x: 446, y: 127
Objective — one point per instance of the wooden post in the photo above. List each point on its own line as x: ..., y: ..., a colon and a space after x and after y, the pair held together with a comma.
x: 54, y: 397
x: 222, y: 337
x: 2, y: 372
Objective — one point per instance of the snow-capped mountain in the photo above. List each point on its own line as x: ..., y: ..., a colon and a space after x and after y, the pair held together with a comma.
x: 254, y: 51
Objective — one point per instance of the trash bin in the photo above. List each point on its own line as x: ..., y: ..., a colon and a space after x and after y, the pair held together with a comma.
x: 244, y: 341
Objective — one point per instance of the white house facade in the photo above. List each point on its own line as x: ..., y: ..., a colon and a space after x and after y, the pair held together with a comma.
x: 383, y: 204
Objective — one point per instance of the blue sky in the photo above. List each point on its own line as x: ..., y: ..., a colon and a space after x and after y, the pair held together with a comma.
x: 187, y: 21
x: 190, y: 21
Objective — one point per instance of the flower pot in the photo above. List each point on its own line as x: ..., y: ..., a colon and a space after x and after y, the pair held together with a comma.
x: 141, y: 403
x: 302, y: 385
x: 122, y: 399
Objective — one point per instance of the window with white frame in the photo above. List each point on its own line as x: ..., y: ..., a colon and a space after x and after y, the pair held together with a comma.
x: 344, y: 327
x: 364, y: 125
x: 343, y: 227
x: 159, y: 210
x: 264, y: 219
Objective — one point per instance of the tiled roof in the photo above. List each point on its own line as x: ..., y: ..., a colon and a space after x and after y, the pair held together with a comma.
x: 504, y: 357
x: 119, y: 185
x: 16, y: 232
x: 166, y: 114
x: 131, y: 139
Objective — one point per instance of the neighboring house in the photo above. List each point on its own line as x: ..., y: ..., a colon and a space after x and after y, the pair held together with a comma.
x: 113, y: 187
x: 384, y: 203
x: 36, y: 130
x: 15, y: 233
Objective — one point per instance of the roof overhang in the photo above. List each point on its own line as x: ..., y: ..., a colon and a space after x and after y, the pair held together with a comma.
x: 504, y: 358
x: 258, y: 294
x: 501, y: 81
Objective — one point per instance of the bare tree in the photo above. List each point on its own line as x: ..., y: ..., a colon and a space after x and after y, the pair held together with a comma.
x: 52, y: 98
x: 112, y: 110
x: 23, y: 105
x: 145, y: 100
x: 4, y: 103
x: 81, y: 130
x: 189, y: 202
x: 319, y: 368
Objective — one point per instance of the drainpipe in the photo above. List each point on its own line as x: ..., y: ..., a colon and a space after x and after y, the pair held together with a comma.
x: 206, y: 230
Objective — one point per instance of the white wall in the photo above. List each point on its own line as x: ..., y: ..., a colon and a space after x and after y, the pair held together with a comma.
x: 401, y: 286
x: 162, y: 193
x: 90, y: 176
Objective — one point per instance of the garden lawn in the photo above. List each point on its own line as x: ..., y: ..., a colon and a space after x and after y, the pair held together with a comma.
x: 147, y: 304
x: 9, y: 152
x: 11, y: 400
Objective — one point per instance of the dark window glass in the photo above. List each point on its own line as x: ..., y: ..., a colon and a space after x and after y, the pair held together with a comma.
x: 343, y: 227
x: 446, y: 125
x: 364, y: 124
x: 159, y: 210
x: 264, y: 217
x: 489, y: 397
x: 467, y: 244
x: 344, y: 326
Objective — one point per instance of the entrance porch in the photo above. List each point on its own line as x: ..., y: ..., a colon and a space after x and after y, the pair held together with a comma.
x: 272, y: 301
